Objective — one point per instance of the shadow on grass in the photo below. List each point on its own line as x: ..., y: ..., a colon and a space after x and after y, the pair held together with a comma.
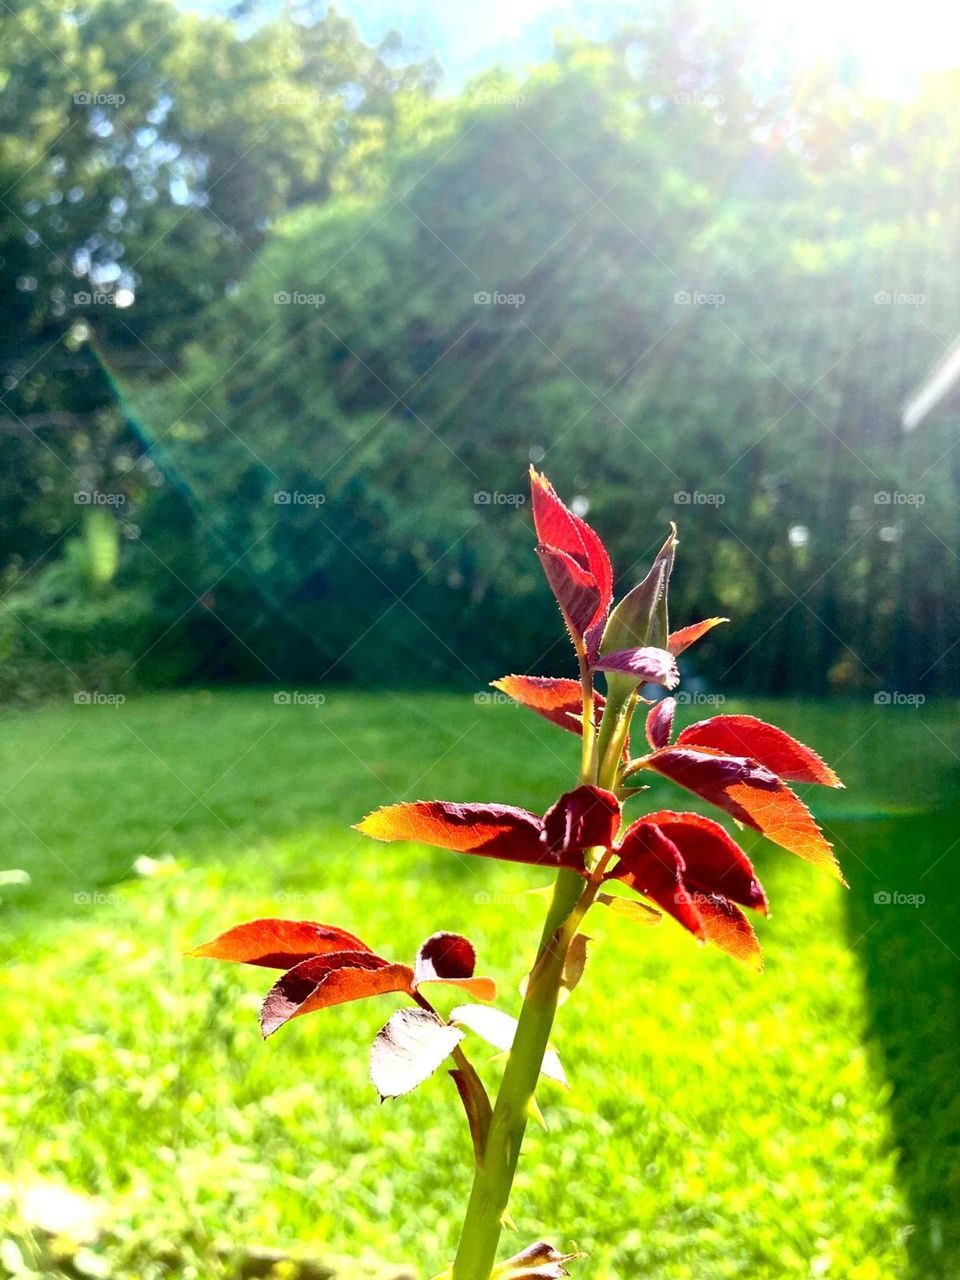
x: 902, y: 920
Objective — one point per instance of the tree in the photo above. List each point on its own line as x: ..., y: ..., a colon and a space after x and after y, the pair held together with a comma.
x: 686, y: 283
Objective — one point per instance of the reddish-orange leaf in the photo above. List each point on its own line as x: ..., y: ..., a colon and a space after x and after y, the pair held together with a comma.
x: 581, y: 819
x: 715, y: 863
x: 598, y: 560
x: 748, y: 736
x: 494, y: 830
x: 686, y: 636
x: 753, y: 795
x: 575, y: 562
x: 278, y: 944
x: 555, y: 523
x: 481, y: 988
x: 451, y: 958
x: 324, y: 981
x: 574, y: 587
x: 557, y: 700
x: 557, y: 526
x: 728, y: 928
x: 651, y: 865
x: 660, y: 722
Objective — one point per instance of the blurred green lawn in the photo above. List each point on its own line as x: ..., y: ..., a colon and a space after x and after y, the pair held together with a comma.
x: 799, y: 1124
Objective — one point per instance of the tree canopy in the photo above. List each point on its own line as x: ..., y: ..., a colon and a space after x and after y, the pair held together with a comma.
x: 358, y: 315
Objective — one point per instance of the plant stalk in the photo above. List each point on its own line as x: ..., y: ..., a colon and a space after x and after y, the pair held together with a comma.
x: 477, y: 1251
x: 486, y: 1210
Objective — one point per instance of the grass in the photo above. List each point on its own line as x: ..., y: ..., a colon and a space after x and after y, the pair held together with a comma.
x: 720, y: 1126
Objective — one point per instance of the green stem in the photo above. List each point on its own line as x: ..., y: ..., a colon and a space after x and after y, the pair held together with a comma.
x: 480, y: 1237
x: 588, y: 756
x: 483, y: 1224
x: 611, y: 748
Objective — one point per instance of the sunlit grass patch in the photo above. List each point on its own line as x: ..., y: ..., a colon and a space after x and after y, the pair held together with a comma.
x: 720, y: 1124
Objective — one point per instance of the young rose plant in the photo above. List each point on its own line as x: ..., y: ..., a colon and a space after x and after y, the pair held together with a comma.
x: 680, y: 864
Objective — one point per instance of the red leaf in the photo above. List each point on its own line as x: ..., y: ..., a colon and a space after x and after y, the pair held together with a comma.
x: 602, y: 571
x: 574, y: 559
x: 557, y: 526
x: 581, y: 819
x: 451, y: 958
x: 729, y: 929
x: 324, y: 981
x: 493, y: 830
x: 686, y: 636
x: 497, y: 831
x: 651, y: 865
x: 660, y: 722
x: 598, y: 561
x: 751, y: 794
x: 555, y: 523
x: 557, y: 700
x: 715, y: 863
x: 574, y: 587
x: 648, y: 664
x: 445, y: 955
x: 409, y: 1049
x: 765, y: 743
x: 278, y: 944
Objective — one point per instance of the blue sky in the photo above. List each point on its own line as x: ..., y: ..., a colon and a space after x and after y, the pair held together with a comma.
x: 470, y: 35
x: 892, y: 43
